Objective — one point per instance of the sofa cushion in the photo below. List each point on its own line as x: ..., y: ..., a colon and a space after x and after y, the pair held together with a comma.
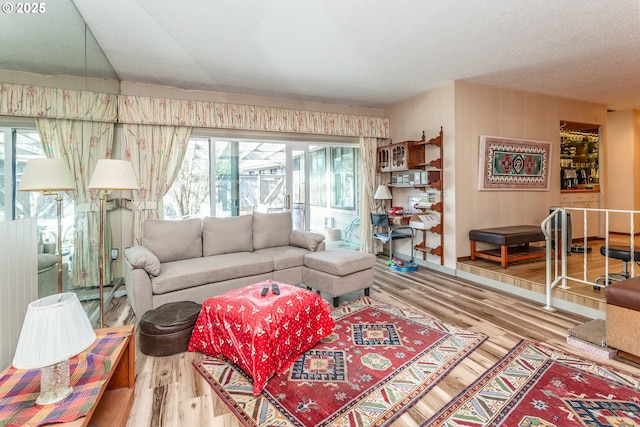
x: 305, y: 239
x: 271, y: 229
x: 142, y: 257
x: 227, y: 235
x: 284, y: 256
x: 202, y: 270
x: 173, y: 240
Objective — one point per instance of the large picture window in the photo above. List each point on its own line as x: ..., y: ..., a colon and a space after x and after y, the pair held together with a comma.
x: 343, y: 172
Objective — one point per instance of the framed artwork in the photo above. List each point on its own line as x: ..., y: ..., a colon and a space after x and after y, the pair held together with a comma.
x: 513, y: 164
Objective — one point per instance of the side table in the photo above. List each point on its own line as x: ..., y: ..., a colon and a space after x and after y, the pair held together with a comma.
x: 116, y: 395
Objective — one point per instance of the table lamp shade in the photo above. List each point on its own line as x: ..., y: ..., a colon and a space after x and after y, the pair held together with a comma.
x: 111, y: 174
x: 55, y: 328
x: 382, y: 193
x: 44, y: 174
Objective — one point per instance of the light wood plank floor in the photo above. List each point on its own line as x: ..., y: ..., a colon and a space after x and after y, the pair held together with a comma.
x: 169, y: 392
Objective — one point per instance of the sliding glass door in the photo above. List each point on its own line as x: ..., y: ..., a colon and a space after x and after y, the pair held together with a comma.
x: 317, y: 182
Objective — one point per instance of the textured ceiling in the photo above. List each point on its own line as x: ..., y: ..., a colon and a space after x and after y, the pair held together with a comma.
x: 360, y: 52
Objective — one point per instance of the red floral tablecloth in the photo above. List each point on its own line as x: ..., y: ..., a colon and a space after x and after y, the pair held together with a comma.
x: 263, y: 335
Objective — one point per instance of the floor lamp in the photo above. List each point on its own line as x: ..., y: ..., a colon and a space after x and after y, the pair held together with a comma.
x: 49, y: 177
x: 109, y: 175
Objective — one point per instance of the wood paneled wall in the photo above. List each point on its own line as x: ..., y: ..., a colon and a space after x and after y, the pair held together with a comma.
x: 18, y: 281
x: 468, y: 110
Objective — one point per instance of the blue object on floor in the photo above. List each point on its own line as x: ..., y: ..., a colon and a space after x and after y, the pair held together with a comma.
x: 405, y: 267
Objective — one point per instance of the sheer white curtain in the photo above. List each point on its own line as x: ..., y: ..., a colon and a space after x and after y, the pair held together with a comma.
x: 156, y: 153
x: 81, y: 144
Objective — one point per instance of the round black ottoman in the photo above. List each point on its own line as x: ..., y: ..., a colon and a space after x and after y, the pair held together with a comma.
x: 166, y: 330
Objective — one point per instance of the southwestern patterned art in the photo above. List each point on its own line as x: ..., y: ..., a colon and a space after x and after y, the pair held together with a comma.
x: 511, y: 164
x: 376, y: 364
x: 535, y: 385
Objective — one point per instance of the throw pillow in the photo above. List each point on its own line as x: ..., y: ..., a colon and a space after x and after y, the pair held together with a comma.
x: 305, y: 239
x: 271, y: 229
x: 173, y: 240
x: 141, y: 257
x: 227, y: 235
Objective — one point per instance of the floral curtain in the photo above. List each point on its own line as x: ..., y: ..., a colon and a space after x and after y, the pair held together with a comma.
x: 156, y: 153
x: 368, y: 149
x: 67, y: 139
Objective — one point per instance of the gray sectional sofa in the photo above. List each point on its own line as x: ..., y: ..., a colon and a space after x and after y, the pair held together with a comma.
x: 195, y: 259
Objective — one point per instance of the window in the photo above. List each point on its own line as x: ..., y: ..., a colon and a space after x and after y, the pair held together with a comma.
x: 318, y: 178
x: 343, y: 173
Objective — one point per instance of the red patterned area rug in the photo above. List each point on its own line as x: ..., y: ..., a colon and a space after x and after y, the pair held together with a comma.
x: 379, y: 361
x: 535, y: 385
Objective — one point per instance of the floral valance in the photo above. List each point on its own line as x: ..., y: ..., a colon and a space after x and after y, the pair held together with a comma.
x: 36, y: 101
x: 167, y: 111
x: 55, y: 103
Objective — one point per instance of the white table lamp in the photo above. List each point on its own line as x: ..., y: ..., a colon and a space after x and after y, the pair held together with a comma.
x: 55, y: 329
x: 382, y: 193
x: 109, y: 175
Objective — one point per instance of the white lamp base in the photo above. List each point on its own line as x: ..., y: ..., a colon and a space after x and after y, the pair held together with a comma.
x: 54, y: 383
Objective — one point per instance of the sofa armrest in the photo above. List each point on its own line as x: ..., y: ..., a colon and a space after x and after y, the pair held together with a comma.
x: 306, y: 239
x: 139, y: 291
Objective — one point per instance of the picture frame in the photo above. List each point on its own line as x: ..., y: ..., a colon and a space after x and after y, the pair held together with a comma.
x: 513, y: 164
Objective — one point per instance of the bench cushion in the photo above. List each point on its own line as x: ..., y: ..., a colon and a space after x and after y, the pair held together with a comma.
x: 624, y: 293
x: 508, y: 236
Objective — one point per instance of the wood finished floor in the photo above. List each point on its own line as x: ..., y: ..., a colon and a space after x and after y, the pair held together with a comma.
x: 169, y: 392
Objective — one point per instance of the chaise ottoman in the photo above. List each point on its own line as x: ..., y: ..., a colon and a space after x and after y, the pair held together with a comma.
x: 338, y: 272
x: 166, y: 330
x: 263, y: 328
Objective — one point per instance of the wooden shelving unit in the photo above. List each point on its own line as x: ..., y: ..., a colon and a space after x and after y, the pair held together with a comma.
x: 434, y: 165
x: 410, y: 156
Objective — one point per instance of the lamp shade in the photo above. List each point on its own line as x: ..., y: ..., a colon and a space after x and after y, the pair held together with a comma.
x: 46, y: 175
x: 382, y: 193
x: 111, y: 174
x: 55, y: 328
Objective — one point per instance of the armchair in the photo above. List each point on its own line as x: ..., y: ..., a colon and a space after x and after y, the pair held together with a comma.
x: 381, y: 221
x: 48, y: 271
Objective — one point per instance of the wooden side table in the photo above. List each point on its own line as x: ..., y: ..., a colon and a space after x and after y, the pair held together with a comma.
x: 116, y: 395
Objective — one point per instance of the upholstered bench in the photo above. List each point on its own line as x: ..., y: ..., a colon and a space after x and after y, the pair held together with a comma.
x: 338, y: 272
x: 513, y: 241
x: 166, y: 330
x: 623, y: 314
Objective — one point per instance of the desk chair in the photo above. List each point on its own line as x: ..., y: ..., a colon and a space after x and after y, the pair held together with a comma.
x: 381, y: 221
